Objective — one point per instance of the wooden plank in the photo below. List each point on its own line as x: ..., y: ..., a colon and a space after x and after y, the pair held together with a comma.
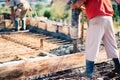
x: 8, y: 23
x: 43, y: 65
x: 21, y: 69
x: 28, y: 21
x: 32, y: 22
x: 21, y: 57
x: 4, y: 57
x: 64, y: 30
x: 51, y: 27
x: 56, y: 41
x: 42, y: 25
x: 48, y: 54
x: 47, y: 45
x: 34, y: 43
x: 15, y: 32
x: 2, y: 24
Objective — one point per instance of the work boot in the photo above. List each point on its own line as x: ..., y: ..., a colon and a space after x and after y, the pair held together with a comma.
x: 16, y: 25
x: 117, y: 65
x: 116, y: 71
x: 23, y: 24
x: 89, y: 70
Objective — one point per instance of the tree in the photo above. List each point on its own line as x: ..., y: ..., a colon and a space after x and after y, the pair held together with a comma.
x: 47, y: 14
x: 3, y: 5
x: 116, y: 13
x: 118, y: 6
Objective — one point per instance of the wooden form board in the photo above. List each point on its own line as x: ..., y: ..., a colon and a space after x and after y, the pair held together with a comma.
x: 43, y: 65
x: 37, y: 66
x: 42, y: 25
x: 48, y: 25
x: 6, y: 24
x: 64, y: 30
x: 30, y: 40
x: 12, y: 45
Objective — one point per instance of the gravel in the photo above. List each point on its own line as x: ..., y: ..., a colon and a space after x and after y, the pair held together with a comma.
x: 68, y: 48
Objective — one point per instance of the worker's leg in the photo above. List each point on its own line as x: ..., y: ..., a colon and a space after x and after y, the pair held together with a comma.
x: 24, y: 23
x: 16, y: 23
x: 109, y: 39
x: 95, y: 33
x: 111, y: 45
x: 94, y: 36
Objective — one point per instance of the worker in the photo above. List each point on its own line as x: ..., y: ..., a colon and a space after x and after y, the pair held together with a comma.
x: 19, y: 13
x: 100, y: 27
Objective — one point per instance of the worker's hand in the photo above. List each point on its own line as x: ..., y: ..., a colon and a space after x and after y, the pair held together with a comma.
x: 72, y: 6
x: 77, y: 5
x: 30, y: 9
x: 83, y: 8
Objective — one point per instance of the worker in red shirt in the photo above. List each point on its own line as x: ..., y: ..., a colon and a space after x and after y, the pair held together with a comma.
x: 100, y: 27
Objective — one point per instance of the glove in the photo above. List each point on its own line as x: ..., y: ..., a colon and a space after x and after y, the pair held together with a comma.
x: 77, y: 5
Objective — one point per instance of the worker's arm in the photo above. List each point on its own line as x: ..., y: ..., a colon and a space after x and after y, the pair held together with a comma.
x: 23, y: 13
x: 11, y: 10
x: 12, y: 14
x: 78, y: 5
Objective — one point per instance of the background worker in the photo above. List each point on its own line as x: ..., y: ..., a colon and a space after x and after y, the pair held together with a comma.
x: 18, y: 12
x: 100, y: 27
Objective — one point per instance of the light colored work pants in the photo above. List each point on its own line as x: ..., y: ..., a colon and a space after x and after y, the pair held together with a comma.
x: 100, y: 28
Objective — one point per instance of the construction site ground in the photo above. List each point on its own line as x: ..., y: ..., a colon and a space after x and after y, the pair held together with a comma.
x: 17, y: 46
x: 43, y: 52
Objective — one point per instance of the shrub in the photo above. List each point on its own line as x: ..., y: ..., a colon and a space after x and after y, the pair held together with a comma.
x: 47, y: 14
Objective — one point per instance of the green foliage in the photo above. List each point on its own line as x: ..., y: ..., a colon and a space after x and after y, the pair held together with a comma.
x: 4, y: 9
x: 116, y: 15
x: 116, y: 25
x: 57, y: 10
x: 47, y: 14
x: 0, y: 12
x: 67, y: 7
x: 39, y: 6
x: 3, y: 5
x: 118, y: 7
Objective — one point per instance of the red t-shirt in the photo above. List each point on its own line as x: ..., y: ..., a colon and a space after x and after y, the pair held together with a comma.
x: 98, y: 7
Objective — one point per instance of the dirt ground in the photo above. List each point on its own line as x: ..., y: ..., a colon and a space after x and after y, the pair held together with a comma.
x: 8, y: 48
x: 14, y: 44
